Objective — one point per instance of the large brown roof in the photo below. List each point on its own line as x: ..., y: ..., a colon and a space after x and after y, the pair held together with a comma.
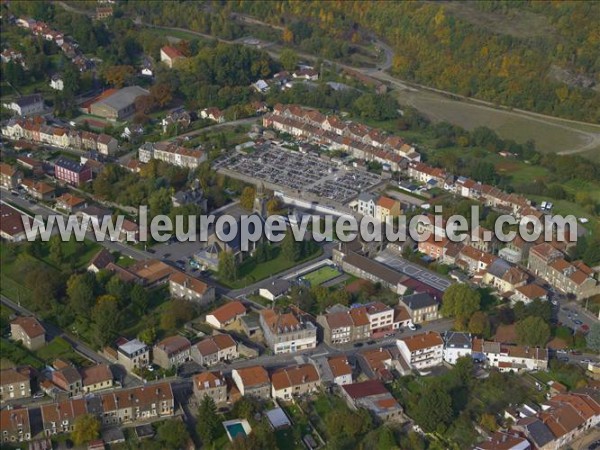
x: 30, y: 326
x: 228, y: 311
x: 10, y: 376
x: 423, y: 340
x: 152, y: 270
x: 174, y: 344
x: 96, y: 374
x: 215, y: 343
x: 339, y: 366
x: 253, y: 376
x: 294, y: 376
x: 365, y: 389
x: 194, y: 284
x: 13, y: 420
x: 207, y: 380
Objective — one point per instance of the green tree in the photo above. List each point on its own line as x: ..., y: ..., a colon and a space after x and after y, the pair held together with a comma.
x: 106, y: 318
x: 209, y: 426
x: 159, y: 202
x: 288, y: 59
x: 593, y: 337
x: 172, y: 434
x: 480, y: 324
x: 86, y: 428
x: 227, y: 266
x: 433, y: 408
x: 56, y: 250
x: 147, y: 335
x: 139, y: 299
x: 532, y: 331
x: 460, y: 301
x: 247, y: 198
x: 290, y: 249
x: 80, y: 292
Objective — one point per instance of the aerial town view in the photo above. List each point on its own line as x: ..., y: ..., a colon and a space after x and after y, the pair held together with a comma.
x: 299, y: 224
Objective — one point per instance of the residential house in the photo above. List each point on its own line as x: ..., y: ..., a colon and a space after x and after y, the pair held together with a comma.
x: 68, y: 379
x: 341, y: 370
x: 129, y: 232
x: 96, y: 378
x: 386, y: 207
x: 133, y: 354
x: 338, y: 327
x: 56, y: 82
x: 10, y: 177
x: 226, y: 314
x: 508, y: 358
x: 307, y: 73
x: 277, y: 289
x: 100, y: 260
x: 421, y: 307
x: 214, y: 349
x: 171, y: 351
x: 170, y: 55
x: 435, y: 247
x: 152, y: 272
x: 27, y: 105
x: 378, y: 363
x: 575, y: 278
x: 184, y: 286
x: 288, y: 332
x: 367, y: 204
x: 11, y: 225
x: 214, y: 114
x: 171, y: 153
x: 14, y: 385
x: 211, y: 384
x: 93, y: 216
x: 473, y: 260
x: 139, y: 404
x: 423, y: 350
x: 296, y: 380
x: 456, y: 345
x: 106, y: 145
x: 72, y: 172
x: 502, y: 440
x: 529, y: 293
x: 373, y: 396
x: 252, y: 381
x: 14, y: 425
x: 38, y: 189
x: 70, y: 203
x: 503, y: 277
x: 29, y: 331
x: 483, y: 240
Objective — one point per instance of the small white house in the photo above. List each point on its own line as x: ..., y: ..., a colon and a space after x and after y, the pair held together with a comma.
x: 56, y: 82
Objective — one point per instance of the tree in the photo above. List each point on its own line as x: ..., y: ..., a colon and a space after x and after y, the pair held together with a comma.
x: 290, y: 249
x: 460, y: 301
x: 209, y: 426
x: 593, y: 337
x: 227, y: 266
x: 172, y: 434
x: 56, y: 250
x: 488, y: 421
x: 288, y: 59
x: 532, y: 331
x: 118, y: 75
x: 247, y: 198
x: 480, y: 324
x: 139, y: 299
x: 274, y: 206
x: 80, y: 291
x: 433, y: 408
x: 106, y: 318
x: 85, y: 429
x: 162, y: 94
x: 145, y: 104
x: 147, y: 335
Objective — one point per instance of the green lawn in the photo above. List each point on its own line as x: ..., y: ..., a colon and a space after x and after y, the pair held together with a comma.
x: 249, y: 272
x: 321, y: 275
x: 59, y: 348
x: 18, y: 355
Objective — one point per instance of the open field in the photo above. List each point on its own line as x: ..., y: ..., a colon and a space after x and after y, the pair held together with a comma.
x: 321, y: 275
x: 550, y: 135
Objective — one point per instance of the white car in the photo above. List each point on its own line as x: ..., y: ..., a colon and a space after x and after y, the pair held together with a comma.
x: 412, y: 326
x: 38, y: 395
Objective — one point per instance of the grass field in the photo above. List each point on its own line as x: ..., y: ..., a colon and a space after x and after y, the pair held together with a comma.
x: 59, y: 348
x: 550, y: 135
x: 249, y: 272
x: 321, y: 275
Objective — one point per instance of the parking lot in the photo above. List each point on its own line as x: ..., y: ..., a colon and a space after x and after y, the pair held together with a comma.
x: 419, y: 273
x: 301, y: 172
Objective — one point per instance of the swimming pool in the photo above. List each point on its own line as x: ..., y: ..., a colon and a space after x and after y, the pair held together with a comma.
x: 236, y: 429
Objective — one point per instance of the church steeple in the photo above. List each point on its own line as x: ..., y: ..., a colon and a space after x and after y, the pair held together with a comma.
x: 260, y: 200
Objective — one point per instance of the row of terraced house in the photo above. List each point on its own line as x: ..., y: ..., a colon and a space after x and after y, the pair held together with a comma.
x: 35, y: 129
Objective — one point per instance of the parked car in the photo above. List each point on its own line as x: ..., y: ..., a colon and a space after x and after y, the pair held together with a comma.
x: 412, y: 326
x: 358, y: 344
x: 38, y: 395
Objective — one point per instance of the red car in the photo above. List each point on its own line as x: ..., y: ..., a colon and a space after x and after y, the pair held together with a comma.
x: 584, y: 328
